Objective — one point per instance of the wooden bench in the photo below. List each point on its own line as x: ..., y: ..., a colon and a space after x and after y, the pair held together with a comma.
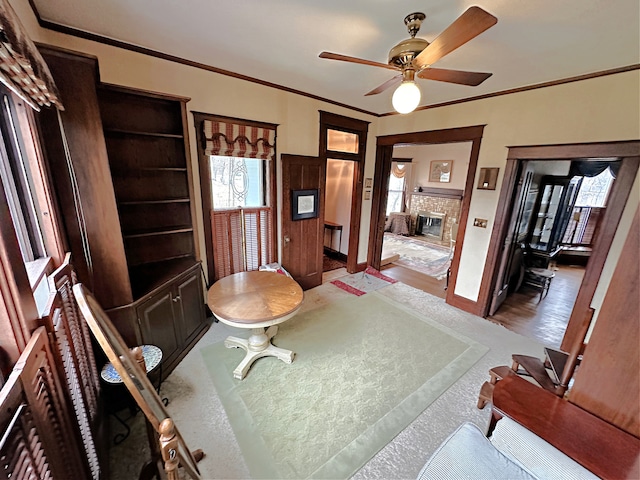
x: 600, y: 447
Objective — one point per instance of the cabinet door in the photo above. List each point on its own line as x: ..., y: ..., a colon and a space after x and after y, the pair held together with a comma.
x: 191, y: 306
x: 157, y: 324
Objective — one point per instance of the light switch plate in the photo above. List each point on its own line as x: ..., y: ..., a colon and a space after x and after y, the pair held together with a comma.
x: 480, y: 222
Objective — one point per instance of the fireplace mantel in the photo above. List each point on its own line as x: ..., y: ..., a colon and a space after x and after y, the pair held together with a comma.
x: 441, y: 192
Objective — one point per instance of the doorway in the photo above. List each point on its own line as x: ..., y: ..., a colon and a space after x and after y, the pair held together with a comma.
x: 384, y: 157
x: 424, y: 201
x: 511, y: 199
x: 342, y: 147
x: 558, y: 209
x: 337, y: 218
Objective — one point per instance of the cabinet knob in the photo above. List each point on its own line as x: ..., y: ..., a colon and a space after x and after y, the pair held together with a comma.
x: 176, y: 298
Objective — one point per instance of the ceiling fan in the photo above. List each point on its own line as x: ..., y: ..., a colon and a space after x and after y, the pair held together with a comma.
x: 414, y: 56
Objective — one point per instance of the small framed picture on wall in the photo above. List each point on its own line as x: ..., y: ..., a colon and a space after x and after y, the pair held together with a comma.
x: 440, y: 171
x: 304, y: 204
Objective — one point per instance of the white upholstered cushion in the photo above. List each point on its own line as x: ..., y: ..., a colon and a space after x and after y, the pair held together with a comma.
x: 540, y: 458
x: 467, y: 453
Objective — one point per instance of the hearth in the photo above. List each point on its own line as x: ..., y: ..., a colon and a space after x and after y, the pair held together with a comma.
x: 431, y: 224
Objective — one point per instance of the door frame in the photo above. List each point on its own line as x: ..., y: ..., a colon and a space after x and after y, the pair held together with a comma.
x: 384, y: 154
x: 334, y: 121
x: 629, y: 153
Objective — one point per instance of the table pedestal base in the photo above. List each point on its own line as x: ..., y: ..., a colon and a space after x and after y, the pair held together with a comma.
x: 258, y: 345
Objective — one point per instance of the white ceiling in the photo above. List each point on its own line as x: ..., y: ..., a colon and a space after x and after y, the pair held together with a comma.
x: 278, y: 41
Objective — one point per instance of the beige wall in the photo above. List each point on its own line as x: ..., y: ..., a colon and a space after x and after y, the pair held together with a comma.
x: 595, y: 110
x: 599, y: 109
x: 297, y: 116
x: 423, y: 155
x: 337, y: 202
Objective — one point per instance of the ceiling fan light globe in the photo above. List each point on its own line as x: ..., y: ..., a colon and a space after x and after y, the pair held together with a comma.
x: 406, y: 97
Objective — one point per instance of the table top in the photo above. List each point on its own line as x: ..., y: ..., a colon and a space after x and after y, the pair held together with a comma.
x: 254, y: 299
x: 152, y: 357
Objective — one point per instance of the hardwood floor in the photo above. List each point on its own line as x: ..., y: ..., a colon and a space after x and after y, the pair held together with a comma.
x: 545, y: 321
x: 416, y: 279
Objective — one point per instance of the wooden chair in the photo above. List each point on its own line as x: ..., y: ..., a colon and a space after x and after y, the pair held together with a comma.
x: 539, y: 278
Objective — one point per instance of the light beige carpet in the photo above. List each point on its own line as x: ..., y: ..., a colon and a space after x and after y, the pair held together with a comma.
x: 198, y: 411
x: 365, y: 368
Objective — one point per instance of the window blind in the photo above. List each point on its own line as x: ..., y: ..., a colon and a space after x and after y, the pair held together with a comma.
x: 242, y: 239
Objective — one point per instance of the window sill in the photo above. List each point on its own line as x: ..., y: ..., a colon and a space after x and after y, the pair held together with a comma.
x: 37, y: 270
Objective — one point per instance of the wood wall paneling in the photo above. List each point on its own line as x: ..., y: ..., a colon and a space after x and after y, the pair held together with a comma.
x: 607, y: 382
x: 76, y: 151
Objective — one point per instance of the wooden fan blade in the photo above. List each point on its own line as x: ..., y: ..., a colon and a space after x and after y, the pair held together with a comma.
x: 346, y: 58
x: 467, y: 26
x: 472, y: 79
x: 389, y: 83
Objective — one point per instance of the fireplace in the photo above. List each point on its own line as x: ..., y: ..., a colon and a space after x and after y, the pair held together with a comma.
x: 431, y: 224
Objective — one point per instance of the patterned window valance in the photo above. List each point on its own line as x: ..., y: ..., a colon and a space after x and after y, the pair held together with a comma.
x: 234, y: 140
x: 22, y: 68
x: 398, y: 169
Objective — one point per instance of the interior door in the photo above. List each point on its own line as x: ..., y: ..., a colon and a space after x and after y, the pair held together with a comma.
x: 511, y: 271
x: 302, y: 238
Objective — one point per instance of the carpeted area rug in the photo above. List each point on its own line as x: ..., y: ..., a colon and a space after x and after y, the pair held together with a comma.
x: 365, y: 368
x: 427, y: 258
x: 329, y: 264
x: 360, y: 283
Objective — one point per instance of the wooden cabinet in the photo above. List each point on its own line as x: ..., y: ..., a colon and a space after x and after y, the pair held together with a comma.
x: 119, y: 159
x: 551, y: 215
x: 171, y: 317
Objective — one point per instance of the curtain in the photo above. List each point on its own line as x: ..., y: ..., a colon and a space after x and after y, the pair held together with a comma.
x: 593, y: 168
x: 22, y: 68
x: 397, y: 171
x: 235, y: 140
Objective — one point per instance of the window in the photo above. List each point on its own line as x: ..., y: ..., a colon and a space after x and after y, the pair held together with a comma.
x: 237, y: 167
x: 340, y: 141
x: 17, y: 187
x: 237, y: 182
x: 23, y: 186
x: 242, y: 220
x: 395, y: 197
x: 589, y: 208
x: 595, y: 190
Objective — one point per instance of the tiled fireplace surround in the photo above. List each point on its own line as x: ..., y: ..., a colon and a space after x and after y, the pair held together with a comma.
x: 431, y: 202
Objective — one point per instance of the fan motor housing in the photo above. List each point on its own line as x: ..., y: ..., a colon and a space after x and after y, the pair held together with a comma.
x: 405, y: 51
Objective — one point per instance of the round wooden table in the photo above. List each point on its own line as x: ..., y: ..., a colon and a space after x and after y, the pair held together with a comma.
x: 255, y: 300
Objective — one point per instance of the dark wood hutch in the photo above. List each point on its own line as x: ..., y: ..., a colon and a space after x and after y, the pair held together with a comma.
x: 119, y: 159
